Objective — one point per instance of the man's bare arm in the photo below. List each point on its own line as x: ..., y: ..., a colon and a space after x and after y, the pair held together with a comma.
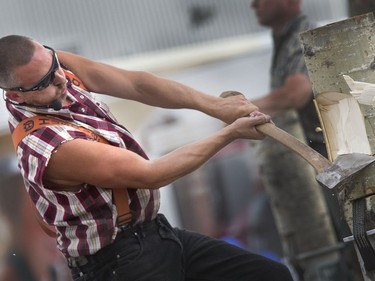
x: 152, y: 90
x: 84, y: 161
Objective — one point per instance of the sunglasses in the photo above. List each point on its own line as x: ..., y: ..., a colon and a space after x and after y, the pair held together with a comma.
x: 46, y: 80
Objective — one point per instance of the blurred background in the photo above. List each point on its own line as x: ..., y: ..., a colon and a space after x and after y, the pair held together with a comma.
x: 211, y: 45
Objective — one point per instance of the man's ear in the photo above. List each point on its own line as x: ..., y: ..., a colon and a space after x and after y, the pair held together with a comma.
x: 14, y: 96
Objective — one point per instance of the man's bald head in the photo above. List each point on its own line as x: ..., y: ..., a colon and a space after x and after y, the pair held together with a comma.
x: 15, y: 51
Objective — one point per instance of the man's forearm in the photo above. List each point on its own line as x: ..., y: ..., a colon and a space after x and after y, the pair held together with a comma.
x: 186, y: 159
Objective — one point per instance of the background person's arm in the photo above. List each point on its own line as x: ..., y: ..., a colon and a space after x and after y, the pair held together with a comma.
x: 295, y: 93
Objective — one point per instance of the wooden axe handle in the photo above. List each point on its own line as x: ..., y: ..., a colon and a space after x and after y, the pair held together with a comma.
x: 314, y: 158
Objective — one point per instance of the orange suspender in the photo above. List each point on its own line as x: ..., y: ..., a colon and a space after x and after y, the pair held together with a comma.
x: 34, y: 123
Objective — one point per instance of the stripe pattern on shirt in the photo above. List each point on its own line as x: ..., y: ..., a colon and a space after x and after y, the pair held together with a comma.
x: 85, y: 220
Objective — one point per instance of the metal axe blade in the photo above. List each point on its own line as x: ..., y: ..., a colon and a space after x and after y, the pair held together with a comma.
x: 343, y: 169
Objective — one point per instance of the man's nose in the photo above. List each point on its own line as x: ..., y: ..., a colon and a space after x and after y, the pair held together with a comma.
x: 59, y: 77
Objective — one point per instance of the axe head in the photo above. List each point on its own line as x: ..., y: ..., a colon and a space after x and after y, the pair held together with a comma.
x: 343, y: 169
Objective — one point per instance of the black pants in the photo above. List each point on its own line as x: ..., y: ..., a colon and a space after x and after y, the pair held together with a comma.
x: 155, y: 251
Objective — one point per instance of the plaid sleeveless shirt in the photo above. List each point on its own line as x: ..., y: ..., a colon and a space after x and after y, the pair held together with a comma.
x: 86, y: 220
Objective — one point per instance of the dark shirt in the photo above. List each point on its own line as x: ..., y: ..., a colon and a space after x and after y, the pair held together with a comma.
x: 288, y: 60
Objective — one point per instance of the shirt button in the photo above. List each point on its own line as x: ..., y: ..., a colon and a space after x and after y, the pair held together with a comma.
x: 83, y: 110
x: 82, y: 97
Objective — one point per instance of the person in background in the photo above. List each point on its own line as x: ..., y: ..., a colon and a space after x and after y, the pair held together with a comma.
x: 30, y: 254
x: 290, y: 84
x: 72, y: 175
x: 290, y: 103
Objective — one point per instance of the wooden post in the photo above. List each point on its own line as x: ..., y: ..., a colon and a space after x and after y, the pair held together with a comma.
x: 346, y: 48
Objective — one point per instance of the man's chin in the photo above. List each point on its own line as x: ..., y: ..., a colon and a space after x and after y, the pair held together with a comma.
x: 56, y: 104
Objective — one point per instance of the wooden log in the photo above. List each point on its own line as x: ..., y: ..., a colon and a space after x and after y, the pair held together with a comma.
x: 343, y: 48
x: 346, y: 48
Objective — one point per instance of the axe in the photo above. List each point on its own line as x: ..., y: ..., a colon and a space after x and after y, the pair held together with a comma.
x: 329, y: 174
